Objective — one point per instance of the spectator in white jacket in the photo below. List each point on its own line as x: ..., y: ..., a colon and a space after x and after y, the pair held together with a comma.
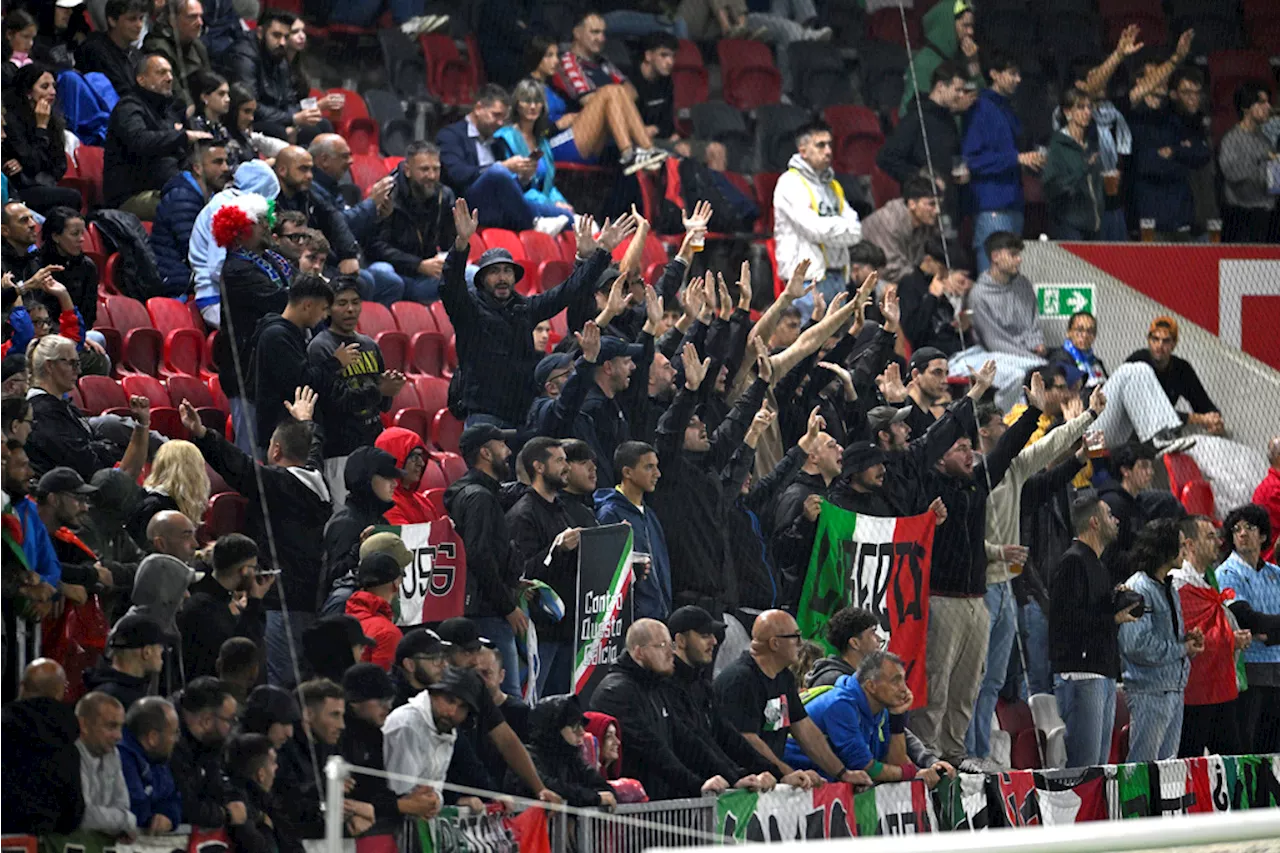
x: 812, y: 219
x: 106, y: 796
x: 418, y: 738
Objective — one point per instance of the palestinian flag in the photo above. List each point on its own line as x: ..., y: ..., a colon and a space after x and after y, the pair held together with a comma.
x: 493, y: 832
x: 832, y: 811
x: 1133, y: 791
x: 960, y: 803
x: 881, y: 564
x: 434, y: 586
x: 602, y: 609
x: 1071, y: 796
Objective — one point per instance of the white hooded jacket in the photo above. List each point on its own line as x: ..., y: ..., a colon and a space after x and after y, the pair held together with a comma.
x: 411, y: 745
x: 812, y: 220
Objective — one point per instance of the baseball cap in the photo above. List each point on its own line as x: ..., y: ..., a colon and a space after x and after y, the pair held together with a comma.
x: 859, y: 456
x: 64, y: 479
x: 387, y: 543
x: 881, y: 417
x: 423, y: 641
x: 136, y: 631
x: 920, y: 358
x: 462, y: 683
x: 463, y: 633
x: 611, y: 347
x: 381, y: 463
x: 367, y: 681
x: 608, y: 277
x: 378, y: 569
x: 68, y: 4
x: 549, y: 365
x: 13, y: 363
x: 354, y: 634
x: 693, y: 618
x: 477, y: 436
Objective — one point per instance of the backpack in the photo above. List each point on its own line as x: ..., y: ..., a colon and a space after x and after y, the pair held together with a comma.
x: 137, y: 275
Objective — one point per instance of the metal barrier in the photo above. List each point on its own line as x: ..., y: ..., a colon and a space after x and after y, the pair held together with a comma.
x: 674, y: 823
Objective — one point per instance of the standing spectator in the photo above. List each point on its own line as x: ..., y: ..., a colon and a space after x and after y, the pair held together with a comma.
x: 206, y: 712
x: 41, y: 767
x: 135, y: 654
x: 176, y: 36
x: 1245, y: 156
x: 1186, y: 96
x: 265, y: 70
x: 515, y: 712
x: 238, y: 666
x: 181, y: 200
x: 619, y: 394
x: 1131, y: 473
x: 418, y: 737
x: 379, y: 577
x: 252, y: 765
x: 114, y: 52
x: 795, y: 513
x: 902, y: 227
x: 106, y: 796
x: 408, y: 246
x: 294, y: 170
x: 151, y: 732
x: 580, y: 482
x: 143, y: 149
x: 410, y: 454
x: 207, y: 619
x: 1073, y: 174
x: 1256, y: 606
x: 948, y: 32
x: 371, y: 478
x: 421, y: 657
x: 34, y: 138
x: 1083, y: 634
x: 1267, y: 495
x: 492, y: 569
x: 331, y: 157
x: 992, y: 136
x: 813, y: 222
x: 638, y: 475
x: 528, y: 130
x: 1156, y: 649
x: 178, y: 480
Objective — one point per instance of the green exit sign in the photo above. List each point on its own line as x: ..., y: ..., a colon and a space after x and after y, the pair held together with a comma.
x: 1063, y: 300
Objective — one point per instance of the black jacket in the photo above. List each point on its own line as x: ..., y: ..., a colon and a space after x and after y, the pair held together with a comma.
x: 99, y: 53
x: 1130, y: 518
x: 268, y: 77
x: 792, y: 540
x: 342, y: 532
x: 418, y: 228
x: 279, y: 367
x: 351, y: 405
x: 60, y: 436
x: 205, y: 622
x: 760, y: 583
x: 301, y: 791
x: 42, y: 155
x: 903, y: 153
x: 41, y: 768
x: 80, y: 277
x: 663, y: 752
x: 151, y: 503
x: 532, y: 525
x: 691, y: 698
x: 299, y: 505
x: 143, y: 150
x: 249, y: 294
x: 267, y: 829
x: 494, y: 339
x: 493, y: 571
x: 361, y: 744
x: 1046, y: 528
x: 606, y: 422
x: 1083, y: 636
x: 125, y: 687
x: 197, y: 770
x: 927, y: 320
x: 905, y: 472
x: 323, y: 217
x: 560, y: 765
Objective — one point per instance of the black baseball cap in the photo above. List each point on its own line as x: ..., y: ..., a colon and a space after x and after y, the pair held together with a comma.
x: 375, y: 461
x: 462, y: 683
x: 377, y: 569
x: 693, y: 618
x: 354, y: 633
x: 269, y: 704
x: 859, y: 456
x: 64, y: 479
x: 477, y: 436
x: 881, y: 417
x: 136, y: 631
x: 423, y: 641
x: 920, y: 358
x: 549, y: 365
x: 611, y: 347
x: 463, y: 633
x: 367, y: 681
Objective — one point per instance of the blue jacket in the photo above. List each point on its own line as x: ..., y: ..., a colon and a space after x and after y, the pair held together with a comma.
x: 152, y: 790
x: 460, y: 165
x: 990, y: 149
x: 361, y: 218
x: 181, y: 201
x: 1260, y: 589
x: 36, y: 544
x: 543, y: 189
x: 1162, y: 186
x: 23, y: 331
x: 1151, y: 649
x: 857, y: 736
x: 653, y: 594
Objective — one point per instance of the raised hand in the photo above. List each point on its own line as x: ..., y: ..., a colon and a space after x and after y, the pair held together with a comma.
x: 764, y: 364
x: 303, y: 405
x: 641, y: 222
x: 390, y: 383
x: 891, y: 309
x: 819, y: 306
x: 744, y: 287
x: 890, y: 384
x: 613, y: 233
x: 584, y: 232
x: 982, y: 380
x: 707, y: 312
x: 722, y: 294
x: 1072, y: 408
x: 1097, y: 400
x: 140, y: 410
x: 190, y: 420
x: 762, y: 418
x: 816, y: 425
x: 465, y: 223
x: 867, y: 287
x: 1036, y: 394
x: 1128, y: 44
x: 701, y: 217
x: 619, y: 298
x: 654, y: 308
x: 589, y: 341
x: 843, y: 374
x: 795, y: 286
x: 1183, y: 49
x: 694, y: 370
x: 939, y: 509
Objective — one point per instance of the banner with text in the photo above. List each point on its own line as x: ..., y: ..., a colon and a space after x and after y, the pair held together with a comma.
x: 434, y: 586
x: 602, y: 610
x: 882, y: 565
x: 493, y: 832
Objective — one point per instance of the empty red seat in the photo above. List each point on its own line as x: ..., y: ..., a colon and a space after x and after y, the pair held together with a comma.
x: 764, y: 183
x: 886, y: 25
x: 428, y: 354
x: 89, y: 168
x: 376, y: 322
x: 414, y: 420
x: 476, y: 248
x: 449, y: 77
x: 1197, y: 498
x: 445, y: 431
x: 164, y: 417
x: 433, y: 393
x: 225, y: 514
x: 354, y: 123
x: 407, y: 398
x: 198, y: 394
x: 443, y: 324
x: 569, y: 245
x: 1024, y: 753
x: 690, y: 81
x: 452, y: 464
x: 102, y: 394
x: 143, y: 343
x: 433, y: 476
x: 183, y: 340
x: 413, y: 317
x: 436, y: 498
x: 856, y: 137
x: 501, y: 238
x: 883, y: 188
x: 750, y: 78
x: 1229, y: 68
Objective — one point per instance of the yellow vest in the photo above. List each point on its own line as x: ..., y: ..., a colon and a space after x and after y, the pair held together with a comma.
x: 813, y: 205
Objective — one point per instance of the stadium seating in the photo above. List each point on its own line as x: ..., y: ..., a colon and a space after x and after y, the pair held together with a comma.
x: 367, y: 169
x: 198, y: 394
x: 820, y: 75
x: 183, y: 340
x: 776, y: 126
x: 445, y: 431
x: 449, y: 77
x: 690, y: 82
x: 433, y: 393
x: 436, y: 498
x: 143, y: 344
x: 749, y: 76
x: 376, y: 322
x: 407, y: 398
x: 856, y: 138
x: 101, y: 395
x: 164, y: 417
x: 226, y: 514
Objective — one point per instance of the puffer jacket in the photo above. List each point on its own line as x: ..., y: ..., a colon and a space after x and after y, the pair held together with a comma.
x: 377, y: 621
x: 559, y: 763
x: 411, y: 507
x: 181, y: 201
x: 1151, y: 649
x: 342, y: 533
x: 857, y: 735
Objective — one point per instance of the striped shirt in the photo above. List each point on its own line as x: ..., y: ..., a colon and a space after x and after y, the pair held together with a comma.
x: 1260, y: 589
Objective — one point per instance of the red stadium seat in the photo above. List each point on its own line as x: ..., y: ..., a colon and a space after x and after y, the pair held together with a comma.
x: 449, y: 77
x: 568, y: 246
x: 89, y: 168
x: 183, y: 340
x: 764, y: 183
x: 76, y: 399
x: 1014, y: 717
x: 1182, y: 470
x: 886, y: 25
x: 433, y: 476
x: 883, y: 188
x: 501, y: 238
x: 198, y: 394
x: 436, y: 498
x: 443, y: 324
x: 414, y: 420
x: 445, y: 431
x: 164, y: 417
x: 392, y: 163
x: 102, y: 394
x: 452, y: 464
x: 376, y: 322
x: 407, y: 398
x: 433, y: 393
x: 355, y: 125
x: 428, y: 354
x: 143, y: 344
x: 1025, y: 752
x: 1229, y: 68
x: 691, y: 83
x: 366, y: 170
x: 1197, y: 498
x: 226, y: 514
x: 413, y: 317
x: 475, y: 249
x: 375, y: 319
x: 750, y: 78
x: 857, y: 137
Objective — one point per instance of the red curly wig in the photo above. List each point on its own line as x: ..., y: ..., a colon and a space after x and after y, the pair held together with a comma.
x: 230, y: 225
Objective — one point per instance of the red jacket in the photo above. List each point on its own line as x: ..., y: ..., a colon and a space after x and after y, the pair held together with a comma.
x: 376, y: 622
x: 1267, y: 496
x: 411, y: 507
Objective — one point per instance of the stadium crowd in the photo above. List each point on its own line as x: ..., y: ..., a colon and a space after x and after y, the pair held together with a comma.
x: 163, y: 668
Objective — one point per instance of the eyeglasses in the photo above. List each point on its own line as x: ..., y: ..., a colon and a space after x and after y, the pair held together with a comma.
x: 1245, y: 527
x: 42, y: 322
x: 663, y: 646
x: 70, y: 362
x: 795, y: 636
x: 296, y: 237
x: 1086, y: 330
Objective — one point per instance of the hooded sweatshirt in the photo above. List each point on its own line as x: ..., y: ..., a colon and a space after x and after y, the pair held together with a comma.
x: 106, y: 796
x: 113, y: 682
x: 279, y: 367
x: 1073, y: 184
x: 652, y: 593
x: 941, y: 44
x: 160, y: 588
x: 204, y: 255
x: 812, y: 220
x: 560, y: 764
x: 411, y: 507
x: 412, y: 746
x: 377, y: 621
x: 1004, y: 315
x: 342, y: 533
x: 827, y: 671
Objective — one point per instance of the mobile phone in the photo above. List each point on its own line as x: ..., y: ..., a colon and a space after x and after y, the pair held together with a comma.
x: 267, y: 573
x: 536, y: 154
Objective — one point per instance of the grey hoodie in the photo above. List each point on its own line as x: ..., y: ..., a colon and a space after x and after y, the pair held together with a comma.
x: 1005, y: 315
x: 159, y: 589
x: 106, y: 796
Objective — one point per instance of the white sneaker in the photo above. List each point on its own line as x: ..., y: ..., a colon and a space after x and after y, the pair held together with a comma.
x: 823, y: 34
x: 551, y: 225
x: 1173, y: 445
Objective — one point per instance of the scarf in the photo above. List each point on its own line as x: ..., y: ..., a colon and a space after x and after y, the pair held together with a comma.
x: 1112, y: 130
x: 275, y: 266
x: 1088, y: 363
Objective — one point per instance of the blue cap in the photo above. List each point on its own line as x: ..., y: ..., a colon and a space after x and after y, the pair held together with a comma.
x: 611, y: 347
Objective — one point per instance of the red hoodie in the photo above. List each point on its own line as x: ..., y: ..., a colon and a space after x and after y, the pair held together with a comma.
x: 376, y: 621
x: 411, y: 507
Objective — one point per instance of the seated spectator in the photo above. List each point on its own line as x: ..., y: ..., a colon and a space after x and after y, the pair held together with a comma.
x: 293, y: 169
x: 175, y: 35
x: 1177, y: 376
x: 294, y: 46
x: 331, y: 157
x: 252, y: 765
x: 813, y: 222
x: 371, y: 478
x: 408, y: 246
x: 378, y: 577
x: 206, y: 712
x: 207, y: 621
x: 34, y: 139
x: 238, y: 666
x: 1072, y: 177
x: 143, y: 149
x: 21, y: 254
x: 323, y: 720
x: 637, y: 466
x: 556, y: 728
x: 421, y: 658
x: 331, y: 645
x: 529, y: 130
x: 931, y: 298
x: 135, y: 653
x: 490, y: 332
x: 20, y: 32
x: 655, y: 91
x: 410, y: 454
x: 948, y: 33
x: 113, y: 51
x: 903, y: 154
x: 1250, y: 214
x: 712, y: 20
x: 902, y: 227
x: 178, y: 481
x: 62, y: 245
x: 211, y: 100
x: 106, y: 796
x: 244, y: 143
x: 315, y: 254
x: 41, y: 768
x: 266, y: 72
x: 150, y: 734
x: 582, y: 130
x: 418, y: 737
x: 181, y: 200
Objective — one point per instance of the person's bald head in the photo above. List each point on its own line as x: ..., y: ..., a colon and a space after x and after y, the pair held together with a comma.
x: 43, y: 678
x: 1273, y: 451
x: 293, y: 168
x: 331, y: 154
x: 170, y: 532
x: 649, y: 644
x: 775, y: 639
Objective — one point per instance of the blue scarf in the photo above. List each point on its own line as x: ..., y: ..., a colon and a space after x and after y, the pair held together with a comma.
x: 1089, y: 363
x: 272, y: 264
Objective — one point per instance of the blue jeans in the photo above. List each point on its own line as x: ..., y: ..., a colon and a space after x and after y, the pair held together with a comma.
x: 1114, y: 228
x: 625, y: 23
x: 1155, y: 724
x: 1004, y: 623
x: 364, y: 13
x: 556, y: 675
x: 499, y: 632
x: 244, y: 417
x: 497, y: 196
x: 833, y: 283
x: 1088, y: 707
x: 1035, y: 646
x: 481, y: 418
x: 388, y: 286
x: 989, y: 222
x: 280, y: 670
